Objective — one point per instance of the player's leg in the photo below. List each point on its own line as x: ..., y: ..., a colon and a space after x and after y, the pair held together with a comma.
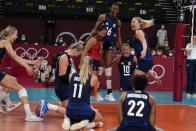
x: 44, y: 106
x: 97, y: 122
x: 96, y: 71
x: 11, y: 83
x: 108, y: 74
x: 9, y: 105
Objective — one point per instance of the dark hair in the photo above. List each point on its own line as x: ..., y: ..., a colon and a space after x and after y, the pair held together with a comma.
x: 101, y: 27
x: 139, y: 82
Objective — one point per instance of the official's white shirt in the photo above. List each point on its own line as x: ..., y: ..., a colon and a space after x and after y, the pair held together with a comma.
x: 162, y: 35
x: 192, y: 54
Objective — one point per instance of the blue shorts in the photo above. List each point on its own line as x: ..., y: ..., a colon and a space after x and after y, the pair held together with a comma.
x: 107, y: 46
x: 95, y: 65
x: 62, y: 91
x: 78, y: 112
x: 2, y: 75
x: 125, y: 86
x: 144, y: 65
x: 136, y: 128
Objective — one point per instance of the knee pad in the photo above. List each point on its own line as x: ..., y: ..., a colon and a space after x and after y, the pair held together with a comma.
x: 22, y: 93
x: 100, y: 71
x: 108, y: 71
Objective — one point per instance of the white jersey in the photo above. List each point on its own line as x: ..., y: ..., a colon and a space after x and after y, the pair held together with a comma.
x: 192, y: 54
x: 162, y: 35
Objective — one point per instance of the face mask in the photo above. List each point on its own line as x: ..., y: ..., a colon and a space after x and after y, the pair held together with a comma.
x: 153, y: 53
x: 60, y: 40
x: 170, y: 54
x: 132, y: 52
x: 162, y: 27
x: 23, y: 38
x: 159, y: 53
x: 166, y: 45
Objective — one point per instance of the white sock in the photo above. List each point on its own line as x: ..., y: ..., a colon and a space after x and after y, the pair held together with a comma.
x: 27, y: 109
x: 98, y: 85
x: 109, y: 84
x: 7, y: 99
x: 2, y: 95
x: 52, y: 107
x: 90, y: 125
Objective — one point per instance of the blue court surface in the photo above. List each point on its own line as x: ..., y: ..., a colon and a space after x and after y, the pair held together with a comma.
x: 161, y: 97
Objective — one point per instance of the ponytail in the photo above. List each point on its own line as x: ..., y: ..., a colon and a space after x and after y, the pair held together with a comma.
x: 145, y: 23
x: 7, y: 31
x: 85, y: 69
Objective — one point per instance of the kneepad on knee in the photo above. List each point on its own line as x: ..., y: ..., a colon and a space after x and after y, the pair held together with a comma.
x: 108, y: 71
x: 22, y: 93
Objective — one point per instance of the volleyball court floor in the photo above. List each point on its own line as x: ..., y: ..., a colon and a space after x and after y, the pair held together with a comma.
x: 171, y: 116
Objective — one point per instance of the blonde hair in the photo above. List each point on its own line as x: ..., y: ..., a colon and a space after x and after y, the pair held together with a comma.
x: 77, y: 46
x: 85, y: 69
x: 145, y: 23
x: 7, y: 31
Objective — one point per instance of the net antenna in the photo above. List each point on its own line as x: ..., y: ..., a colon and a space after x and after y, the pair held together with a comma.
x: 192, y: 9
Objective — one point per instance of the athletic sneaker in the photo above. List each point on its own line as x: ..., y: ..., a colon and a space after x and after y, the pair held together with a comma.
x: 13, y: 106
x: 110, y: 98
x: 66, y: 123
x: 43, y: 108
x: 79, y: 125
x: 33, y: 117
x: 98, y: 97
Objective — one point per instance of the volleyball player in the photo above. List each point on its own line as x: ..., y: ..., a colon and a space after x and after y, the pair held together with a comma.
x: 126, y: 66
x: 113, y: 29
x: 63, y: 69
x: 8, y: 36
x: 82, y: 85
x: 141, y: 46
x: 137, y: 109
x: 93, y: 49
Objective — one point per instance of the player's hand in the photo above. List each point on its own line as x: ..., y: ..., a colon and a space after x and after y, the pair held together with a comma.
x: 143, y: 54
x: 159, y: 82
x: 135, y: 59
x: 30, y: 70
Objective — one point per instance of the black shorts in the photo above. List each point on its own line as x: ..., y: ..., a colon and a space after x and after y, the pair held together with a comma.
x: 107, y: 46
x: 2, y: 75
x: 144, y: 65
x: 125, y: 86
x: 95, y: 65
x: 62, y: 91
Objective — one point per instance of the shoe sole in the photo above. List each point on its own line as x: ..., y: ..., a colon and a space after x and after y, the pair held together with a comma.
x: 16, y: 106
x: 79, y: 125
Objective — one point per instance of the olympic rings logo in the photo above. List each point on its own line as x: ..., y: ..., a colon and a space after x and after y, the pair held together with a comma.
x: 156, y: 74
x: 72, y: 35
x: 31, y: 53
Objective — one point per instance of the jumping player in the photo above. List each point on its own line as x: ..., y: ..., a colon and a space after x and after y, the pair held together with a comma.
x: 113, y: 29
x: 141, y: 46
x: 82, y: 85
x: 8, y: 36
